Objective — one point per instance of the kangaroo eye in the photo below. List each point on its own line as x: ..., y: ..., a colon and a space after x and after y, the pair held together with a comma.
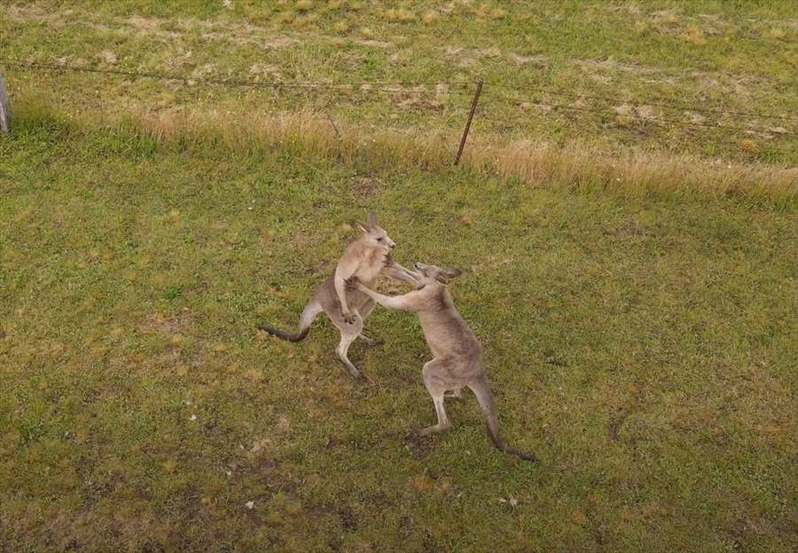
x: 380, y: 239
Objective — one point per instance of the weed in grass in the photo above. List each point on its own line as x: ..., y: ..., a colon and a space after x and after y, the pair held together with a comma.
x: 172, y: 293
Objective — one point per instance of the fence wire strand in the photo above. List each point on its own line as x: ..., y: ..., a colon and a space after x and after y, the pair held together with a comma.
x: 452, y: 87
x: 660, y: 120
x: 375, y: 85
x: 661, y: 102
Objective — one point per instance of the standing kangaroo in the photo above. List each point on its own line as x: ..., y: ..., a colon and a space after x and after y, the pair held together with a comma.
x: 456, y: 350
x: 366, y: 258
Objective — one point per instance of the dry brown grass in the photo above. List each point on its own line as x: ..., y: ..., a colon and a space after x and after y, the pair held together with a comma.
x: 341, y: 27
x: 430, y: 17
x: 303, y: 132
x: 634, y: 173
x: 399, y: 16
x: 580, y: 166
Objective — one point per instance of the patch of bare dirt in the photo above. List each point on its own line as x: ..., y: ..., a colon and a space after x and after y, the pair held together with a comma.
x: 300, y: 240
x: 666, y: 21
x: 646, y: 113
x: 535, y: 61
x: 466, y: 57
x: 693, y: 117
x: 348, y: 518
x: 143, y: 23
x: 108, y: 57
x: 441, y: 93
x: 262, y: 42
x: 364, y: 188
x: 373, y: 43
x: 418, y: 446
x: 264, y: 69
x: 615, y: 424
x: 707, y: 82
x: 632, y: 228
x: 614, y: 66
x: 29, y: 13
x: 168, y: 324
x: 625, y: 8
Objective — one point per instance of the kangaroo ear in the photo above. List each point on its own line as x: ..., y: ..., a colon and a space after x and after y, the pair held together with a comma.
x: 372, y: 219
x: 362, y: 227
x: 446, y: 274
x: 451, y: 273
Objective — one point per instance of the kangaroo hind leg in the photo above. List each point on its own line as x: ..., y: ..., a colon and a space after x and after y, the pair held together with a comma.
x: 365, y: 310
x: 436, y: 386
x: 349, y: 331
x: 309, y: 315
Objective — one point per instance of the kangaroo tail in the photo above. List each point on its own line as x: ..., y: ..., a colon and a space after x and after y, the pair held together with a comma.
x: 485, y: 398
x: 308, y: 315
x: 298, y: 337
x: 502, y: 446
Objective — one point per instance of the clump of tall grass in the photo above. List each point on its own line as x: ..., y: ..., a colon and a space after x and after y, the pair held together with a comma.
x: 301, y: 133
x: 578, y: 165
x: 634, y: 172
x: 400, y: 15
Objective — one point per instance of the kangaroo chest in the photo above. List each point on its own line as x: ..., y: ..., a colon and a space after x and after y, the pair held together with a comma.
x: 448, y: 335
x: 371, y: 267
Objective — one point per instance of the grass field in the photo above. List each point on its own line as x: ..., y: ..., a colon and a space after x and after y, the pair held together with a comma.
x: 643, y: 345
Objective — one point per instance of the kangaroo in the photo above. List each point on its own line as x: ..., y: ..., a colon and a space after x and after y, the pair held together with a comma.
x: 455, y: 349
x: 366, y: 258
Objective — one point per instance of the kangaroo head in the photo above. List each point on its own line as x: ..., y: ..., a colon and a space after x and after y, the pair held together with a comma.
x: 431, y: 274
x: 375, y: 235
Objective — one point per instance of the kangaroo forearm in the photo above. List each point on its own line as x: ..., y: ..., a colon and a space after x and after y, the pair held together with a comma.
x: 340, y: 290
x: 391, y: 302
x: 397, y: 272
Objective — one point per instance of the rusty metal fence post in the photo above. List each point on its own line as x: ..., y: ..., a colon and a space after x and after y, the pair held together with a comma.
x: 468, y: 123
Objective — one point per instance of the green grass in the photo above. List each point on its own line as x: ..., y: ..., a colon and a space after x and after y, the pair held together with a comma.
x: 643, y: 348
x: 641, y: 339
x: 555, y: 71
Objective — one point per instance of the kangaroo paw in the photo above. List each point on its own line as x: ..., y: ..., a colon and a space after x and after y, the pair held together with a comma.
x: 434, y: 428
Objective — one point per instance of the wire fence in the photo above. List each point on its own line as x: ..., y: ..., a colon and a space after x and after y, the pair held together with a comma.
x: 369, y: 85
x: 668, y: 104
x: 710, y: 117
x: 658, y: 119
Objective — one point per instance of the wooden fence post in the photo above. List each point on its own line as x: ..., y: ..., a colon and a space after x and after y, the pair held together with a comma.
x: 5, y: 108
